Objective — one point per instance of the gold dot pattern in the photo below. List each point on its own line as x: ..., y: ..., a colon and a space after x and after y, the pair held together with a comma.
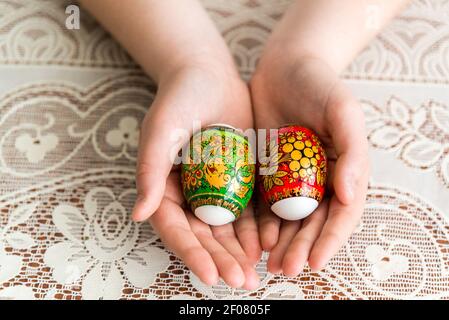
x: 304, y: 157
x: 301, y: 169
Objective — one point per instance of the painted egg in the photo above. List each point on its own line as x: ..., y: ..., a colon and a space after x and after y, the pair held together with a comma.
x: 293, y: 179
x: 218, y: 174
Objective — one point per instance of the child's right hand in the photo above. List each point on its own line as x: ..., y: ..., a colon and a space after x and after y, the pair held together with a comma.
x: 212, y: 94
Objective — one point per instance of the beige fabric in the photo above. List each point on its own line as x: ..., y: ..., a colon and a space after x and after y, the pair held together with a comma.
x: 70, y: 105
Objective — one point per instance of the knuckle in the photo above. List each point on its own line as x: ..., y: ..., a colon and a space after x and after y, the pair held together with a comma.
x: 304, y: 241
x: 223, y: 235
x: 333, y: 236
x: 203, y: 235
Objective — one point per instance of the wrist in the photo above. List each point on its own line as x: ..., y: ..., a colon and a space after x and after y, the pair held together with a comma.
x: 283, y: 55
x: 215, y: 86
x: 279, y: 64
x: 214, y: 64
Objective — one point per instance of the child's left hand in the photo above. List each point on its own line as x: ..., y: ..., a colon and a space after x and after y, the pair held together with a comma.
x: 308, y: 92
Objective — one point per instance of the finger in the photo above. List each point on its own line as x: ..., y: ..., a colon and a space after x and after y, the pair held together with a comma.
x: 351, y: 174
x: 347, y: 128
x: 342, y: 220
x: 226, y: 236
x: 298, y: 251
x: 269, y: 225
x: 228, y: 267
x: 153, y: 165
x: 247, y: 233
x: 170, y: 222
x: 287, y: 233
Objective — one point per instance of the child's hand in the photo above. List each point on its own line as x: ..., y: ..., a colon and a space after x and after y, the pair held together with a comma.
x: 162, y: 36
x: 179, y: 47
x: 296, y: 81
x: 308, y: 92
x: 205, y: 93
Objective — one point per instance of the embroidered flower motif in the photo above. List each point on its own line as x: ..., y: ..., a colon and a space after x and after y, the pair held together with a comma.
x: 127, y: 133
x: 35, y: 148
x: 19, y: 292
x: 10, y: 264
x: 385, y: 264
x: 418, y: 135
x: 102, y: 247
x: 271, y: 289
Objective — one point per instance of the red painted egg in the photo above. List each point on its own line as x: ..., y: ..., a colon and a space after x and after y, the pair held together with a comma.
x: 293, y: 180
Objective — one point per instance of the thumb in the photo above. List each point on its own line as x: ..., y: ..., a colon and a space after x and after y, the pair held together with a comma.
x: 347, y: 129
x: 157, y: 150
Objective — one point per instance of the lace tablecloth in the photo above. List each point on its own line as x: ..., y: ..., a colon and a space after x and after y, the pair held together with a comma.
x: 71, y: 102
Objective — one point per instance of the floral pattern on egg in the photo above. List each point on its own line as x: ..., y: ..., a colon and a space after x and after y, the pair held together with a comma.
x: 219, y: 170
x: 296, y: 166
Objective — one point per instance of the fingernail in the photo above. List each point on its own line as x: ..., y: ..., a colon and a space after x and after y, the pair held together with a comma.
x: 253, y: 285
x: 134, y: 215
x: 300, y: 269
x: 318, y: 267
x: 135, y: 218
x: 315, y: 267
x: 211, y: 282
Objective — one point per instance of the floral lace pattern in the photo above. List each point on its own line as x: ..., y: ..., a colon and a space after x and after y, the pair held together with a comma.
x: 413, y: 48
x: 68, y: 143
x: 34, y: 32
x: 419, y: 134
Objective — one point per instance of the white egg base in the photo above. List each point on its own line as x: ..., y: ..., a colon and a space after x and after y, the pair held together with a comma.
x: 214, y: 215
x: 221, y: 125
x: 294, y: 208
